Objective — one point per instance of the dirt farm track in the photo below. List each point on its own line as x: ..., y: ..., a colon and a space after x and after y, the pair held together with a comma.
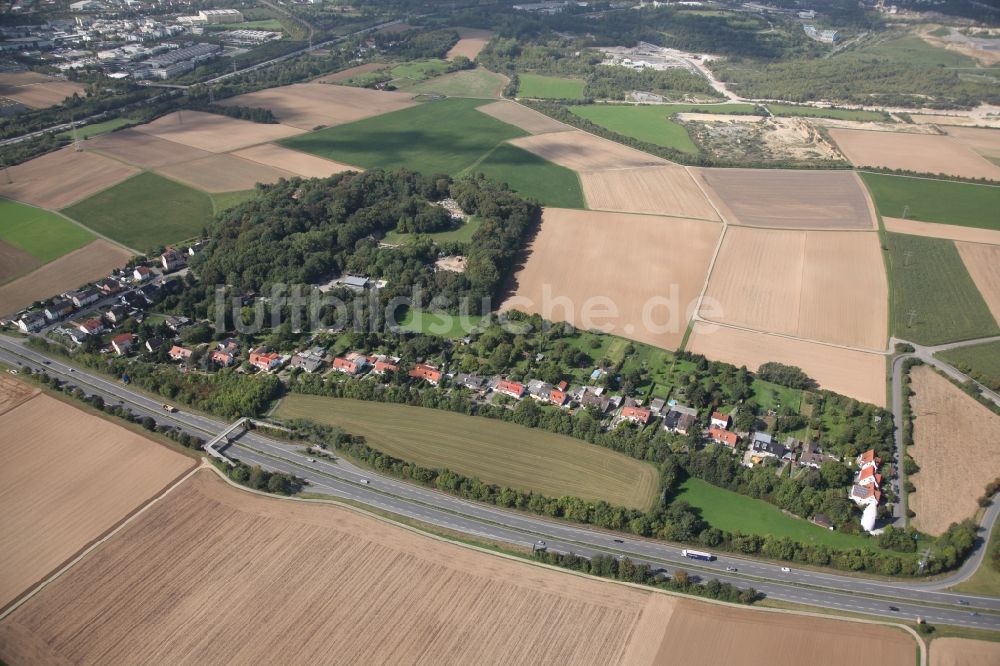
x: 212, y: 574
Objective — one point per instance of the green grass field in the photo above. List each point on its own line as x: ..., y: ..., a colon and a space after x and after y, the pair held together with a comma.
x: 495, y: 451
x: 442, y: 325
x: 934, y: 300
x: 911, y: 49
x: 145, y: 211
x: 223, y: 200
x: 463, y: 234
x: 733, y: 512
x: 98, y: 128
x: 42, y: 234
x: 477, y: 83
x: 981, y: 362
x: 274, y: 25
x: 773, y: 396
x: 533, y: 176
x: 419, y: 70
x: 986, y: 579
x: 549, y: 87
x: 941, y: 201
x: 839, y: 114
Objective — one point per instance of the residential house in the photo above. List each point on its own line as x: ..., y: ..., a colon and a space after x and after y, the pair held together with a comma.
x: 153, y: 344
x: 223, y: 358
x: 595, y: 398
x: 172, y: 260
x: 656, y: 406
x: 763, y: 446
x: 720, y: 420
x: 134, y: 299
x: 91, y: 327
x: 31, y: 322
x: 471, y: 382
x: 116, y: 314
x: 231, y: 345
x: 428, y: 373
x: 109, y: 286
x: 511, y: 389
x: 180, y: 353
x: 264, y: 360
x: 384, y: 364
x: 176, y: 323
x: 822, y: 520
x: 812, y: 456
x: 197, y: 247
x: 636, y: 414
x: 141, y: 274
x: 310, y: 360
x: 84, y: 297
x: 862, y: 495
x: 122, y: 343
x: 59, y: 309
x: 355, y: 282
x: 680, y: 419
x: 725, y: 437
x: 539, y: 390
x: 347, y: 366
x: 868, y: 459
x: 868, y: 476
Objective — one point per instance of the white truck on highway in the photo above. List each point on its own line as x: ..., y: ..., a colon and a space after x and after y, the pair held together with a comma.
x: 698, y: 555
x: 169, y: 408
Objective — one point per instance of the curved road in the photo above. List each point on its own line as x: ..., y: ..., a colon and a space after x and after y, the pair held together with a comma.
x: 339, y: 478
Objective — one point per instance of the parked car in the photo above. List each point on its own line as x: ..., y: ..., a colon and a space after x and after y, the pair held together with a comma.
x: 785, y: 569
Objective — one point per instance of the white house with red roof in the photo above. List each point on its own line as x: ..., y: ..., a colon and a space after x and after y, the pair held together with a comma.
x: 122, y: 343
x: 264, y: 360
x: 428, y: 373
x: 636, y: 414
x: 512, y: 389
x: 868, y: 459
x: 720, y: 420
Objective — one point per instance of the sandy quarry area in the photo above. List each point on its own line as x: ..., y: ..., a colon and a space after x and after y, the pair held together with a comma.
x: 214, y: 575
x: 950, y: 429
x: 310, y: 105
x: 471, y: 42
x: 527, y: 119
x: 983, y: 264
x: 856, y: 374
x: 91, y: 262
x: 342, y: 75
x: 212, y: 132
x: 142, y: 150
x: 223, y: 173
x: 66, y: 478
x: 790, y: 199
x: 573, y: 272
x: 657, y: 190
x: 964, y: 652
x: 948, y: 231
x: 828, y: 286
x: 585, y: 152
x: 301, y: 164
x: 36, y: 90
x: 980, y: 49
x: 14, y: 261
x: 757, y: 138
x: 986, y: 142
x: 923, y: 153
x: 61, y: 178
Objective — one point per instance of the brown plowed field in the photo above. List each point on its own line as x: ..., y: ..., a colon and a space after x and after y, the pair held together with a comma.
x: 923, y: 153
x: 964, y: 652
x: 954, y: 442
x: 983, y: 264
x: 14, y: 261
x: 527, y: 119
x: 860, y: 375
x: 21, y: 78
x: 986, y: 142
x: 585, y: 152
x: 143, y: 150
x: 790, y: 199
x: 662, y: 190
x: 582, y: 262
x: 91, y: 262
x: 224, y: 173
x: 819, y: 285
x: 36, y: 90
x: 366, y: 68
x: 302, y: 164
x: 214, y: 133
x: 948, y: 231
x: 62, y: 178
x: 309, y: 105
x: 66, y: 478
x: 214, y: 575
x: 13, y: 393
x: 472, y: 41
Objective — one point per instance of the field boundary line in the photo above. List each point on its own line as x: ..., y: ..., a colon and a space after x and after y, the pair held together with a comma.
x: 97, y: 234
x: 860, y: 350
x: 96, y: 544
x: 991, y: 183
x: 696, y: 315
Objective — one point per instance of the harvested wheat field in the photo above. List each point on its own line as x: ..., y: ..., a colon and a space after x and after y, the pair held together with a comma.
x: 142, y: 150
x: 214, y: 133
x: 300, y: 164
x: 828, y: 286
x: 790, y: 199
x: 14, y: 261
x: 857, y: 374
x: 471, y: 42
x: 946, y: 231
x: 923, y: 153
x: 36, y: 90
x: 62, y: 178
x: 91, y: 262
x: 15, y: 79
x: 964, y: 652
x: 67, y: 477
x: 983, y: 264
x: 350, y: 72
x: 310, y: 105
x: 949, y: 430
x: 986, y: 142
x: 585, y: 152
x: 583, y: 262
x: 529, y: 120
x: 223, y: 173
x: 661, y: 190
x: 212, y: 574
x: 13, y: 393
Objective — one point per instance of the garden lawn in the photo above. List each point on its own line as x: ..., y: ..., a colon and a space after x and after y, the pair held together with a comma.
x: 732, y: 512
x: 41, y: 233
x: 774, y: 396
x: 462, y: 234
x: 145, y: 212
x: 941, y: 201
x: 442, y: 325
x: 549, y: 87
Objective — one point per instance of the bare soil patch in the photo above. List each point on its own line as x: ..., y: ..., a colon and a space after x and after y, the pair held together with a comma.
x: 214, y: 133
x: 142, y: 150
x: 954, y: 442
x: 66, y: 478
x: 36, y: 90
x: 527, y: 119
x: 22, y: 78
x: 986, y: 142
x: 759, y: 139
x: 91, y: 262
x: 923, y: 153
x: 661, y: 190
x: 471, y: 42
x: 13, y: 393
x: 585, y: 152
x: 350, y: 72
x: 62, y: 178
x: 857, y: 374
x: 828, y: 286
x: 585, y: 263
x: 983, y: 264
x: 14, y: 261
x: 302, y: 164
x: 223, y: 173
x: 309, y: 105
x: 455, y: 264
x: 949, y: 231
x: 790, y: 199
x: 964, y: 652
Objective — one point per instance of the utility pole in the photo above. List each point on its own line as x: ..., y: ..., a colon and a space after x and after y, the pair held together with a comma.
x: 906, y: 211
x: 910, y: 316
x: 906, y: 258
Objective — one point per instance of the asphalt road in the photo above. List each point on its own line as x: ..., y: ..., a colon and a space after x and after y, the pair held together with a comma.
x: 339, y: 478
